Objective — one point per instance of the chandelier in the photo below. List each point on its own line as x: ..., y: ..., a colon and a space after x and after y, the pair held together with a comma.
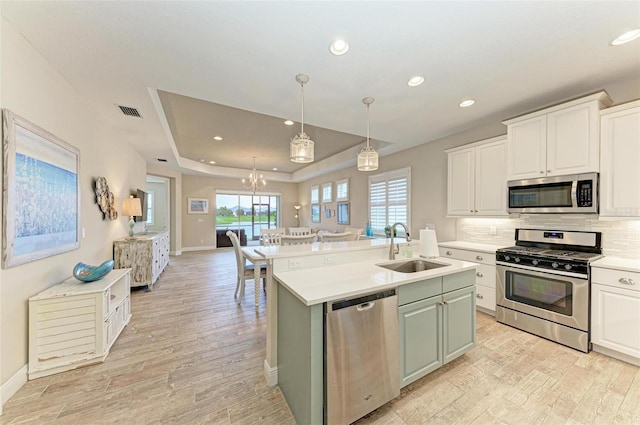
x: 301, y: 146
x: 255, y: 182
x: 368, y: 157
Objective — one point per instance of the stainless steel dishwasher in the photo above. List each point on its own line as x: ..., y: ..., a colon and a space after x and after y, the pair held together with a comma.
x: 362, y: 369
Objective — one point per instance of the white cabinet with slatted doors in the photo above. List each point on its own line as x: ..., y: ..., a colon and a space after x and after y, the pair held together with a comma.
x: 74, y: 324
x: 615, y: 308
x: 485, y: 257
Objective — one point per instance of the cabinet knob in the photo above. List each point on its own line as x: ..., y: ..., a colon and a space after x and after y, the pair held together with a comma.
x: 541, y: 172
x: 626, y: 281
x: 479, y: 257
x: 470, y: 211
x: 475, y: 210
x: 479, y: 274
x: 548, y: 171
x: 448, y: 252
x: 479, y: 296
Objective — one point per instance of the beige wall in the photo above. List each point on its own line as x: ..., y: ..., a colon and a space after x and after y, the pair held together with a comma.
x: 198, y: 230
x: 428, y: 164
x: 35, y: 91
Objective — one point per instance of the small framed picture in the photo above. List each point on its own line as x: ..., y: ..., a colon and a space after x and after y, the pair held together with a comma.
x: 198, y: 206
x: 315, y: 213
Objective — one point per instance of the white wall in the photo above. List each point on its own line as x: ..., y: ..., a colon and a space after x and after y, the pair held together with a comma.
x: 32, y: 89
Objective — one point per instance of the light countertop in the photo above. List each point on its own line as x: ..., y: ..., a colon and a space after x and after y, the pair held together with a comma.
x: 474, y: 246
x: 283, y: 251
x: 616, y: 263
x: 322, y: 284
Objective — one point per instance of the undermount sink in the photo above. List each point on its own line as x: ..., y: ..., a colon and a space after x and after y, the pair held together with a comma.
x: 412, y: 266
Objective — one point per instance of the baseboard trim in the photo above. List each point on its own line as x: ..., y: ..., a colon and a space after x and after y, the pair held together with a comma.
x: 198, y: 248
x: 270, y: 374
x: 616, y: 354
x: 13, y: 384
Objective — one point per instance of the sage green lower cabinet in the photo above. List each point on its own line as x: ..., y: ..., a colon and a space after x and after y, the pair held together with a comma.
x: 420, y: 330
x: 435, y: 329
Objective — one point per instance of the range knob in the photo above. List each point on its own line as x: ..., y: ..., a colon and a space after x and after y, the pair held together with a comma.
x: 535, y: 262
x: 507, y: 258
x: 554, y: 265
x: 568, y: 266
x: 517, y: 260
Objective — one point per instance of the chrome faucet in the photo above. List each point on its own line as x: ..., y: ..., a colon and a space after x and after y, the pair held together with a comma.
x: 395, y: 250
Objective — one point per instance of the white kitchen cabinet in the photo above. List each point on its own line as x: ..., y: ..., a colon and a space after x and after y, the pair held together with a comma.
x: 476, y: 179
x: 485, y: 274
x: 615, y: 313
x: 560, y: 140
x: 74, y: 324
x: 620, y: 160
x: 147, y: 255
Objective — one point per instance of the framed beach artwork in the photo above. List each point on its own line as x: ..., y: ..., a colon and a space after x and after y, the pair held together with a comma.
x: 198, y: 206
x: 41, y: 193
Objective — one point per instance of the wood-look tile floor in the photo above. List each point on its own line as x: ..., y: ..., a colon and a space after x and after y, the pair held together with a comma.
x: 191, y: 355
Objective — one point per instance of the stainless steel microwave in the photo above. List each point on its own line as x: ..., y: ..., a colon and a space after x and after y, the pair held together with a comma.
x: 570, y: 194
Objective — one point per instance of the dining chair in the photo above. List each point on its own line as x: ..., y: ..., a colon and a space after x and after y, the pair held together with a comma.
x: 271, y: 236
x: 338, y: 237
x: 298, y: 240
x: 245, y: 271
x: 299, y: 231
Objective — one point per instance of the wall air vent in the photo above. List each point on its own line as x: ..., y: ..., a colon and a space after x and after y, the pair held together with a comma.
x: 132, y: 112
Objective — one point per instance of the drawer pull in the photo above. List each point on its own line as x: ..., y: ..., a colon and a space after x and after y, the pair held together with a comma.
x: 448, y: 252
x: 626, y: 281
x: 479, y: 296
x: 479, y: 274
x: 479, y: 257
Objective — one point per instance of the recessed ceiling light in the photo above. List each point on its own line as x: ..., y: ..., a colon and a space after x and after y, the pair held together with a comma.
x: 339, y: 47
x: 415, y: 81
x: 275, y: 168
x: 201, y: 159
x: 288, y: 122
x: 626, y: 37
x: 212, y: 162
x: 466, y: 103
x: 218, y: 138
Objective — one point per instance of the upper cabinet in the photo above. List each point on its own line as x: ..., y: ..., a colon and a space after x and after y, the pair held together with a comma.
x: 476, y: 179
x: 563, y: 139
x: 620, y: 160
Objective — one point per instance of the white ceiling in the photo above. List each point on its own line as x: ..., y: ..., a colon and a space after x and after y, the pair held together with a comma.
x: 194, y: 69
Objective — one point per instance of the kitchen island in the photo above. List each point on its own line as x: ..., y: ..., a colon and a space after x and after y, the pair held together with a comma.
x: 435, y: 314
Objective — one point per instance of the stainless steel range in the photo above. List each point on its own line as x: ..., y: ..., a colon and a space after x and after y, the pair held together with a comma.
x: 543, y: 284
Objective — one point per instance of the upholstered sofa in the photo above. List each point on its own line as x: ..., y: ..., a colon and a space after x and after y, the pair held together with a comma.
x: 222, y: 240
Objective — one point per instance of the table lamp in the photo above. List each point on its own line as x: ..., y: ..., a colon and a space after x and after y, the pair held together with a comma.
x: 131, y: 207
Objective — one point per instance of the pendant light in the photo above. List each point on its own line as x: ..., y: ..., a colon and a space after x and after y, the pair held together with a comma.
x: 301, y: 146
x: 368, y: 157
x: 255, y: 182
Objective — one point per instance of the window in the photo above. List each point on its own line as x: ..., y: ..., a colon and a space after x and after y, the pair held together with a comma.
x: 150, y: 208
x: 342, y: 190
x: 247, y: 211
x: 327, y: 195
x: 315, y: 194
x: 389, y: 200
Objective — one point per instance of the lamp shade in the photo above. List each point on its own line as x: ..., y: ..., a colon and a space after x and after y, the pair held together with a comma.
x: 131, y: 207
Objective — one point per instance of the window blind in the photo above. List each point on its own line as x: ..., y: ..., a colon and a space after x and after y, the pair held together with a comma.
x: 389, y: 200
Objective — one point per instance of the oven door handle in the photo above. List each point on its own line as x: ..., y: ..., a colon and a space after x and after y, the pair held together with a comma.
x: 512, y: 266
x: 574, y: 194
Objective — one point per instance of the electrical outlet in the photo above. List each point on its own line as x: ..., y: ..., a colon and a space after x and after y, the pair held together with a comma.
x: 84, y: 233
x: 295, y: 264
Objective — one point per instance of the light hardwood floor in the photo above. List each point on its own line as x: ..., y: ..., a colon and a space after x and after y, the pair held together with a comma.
x: 191, y: 355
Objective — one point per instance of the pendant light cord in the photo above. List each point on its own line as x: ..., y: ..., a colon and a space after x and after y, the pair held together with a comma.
x: 302, y: 122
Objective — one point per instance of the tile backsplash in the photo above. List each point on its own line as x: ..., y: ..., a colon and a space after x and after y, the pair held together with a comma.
x: 620, y: 238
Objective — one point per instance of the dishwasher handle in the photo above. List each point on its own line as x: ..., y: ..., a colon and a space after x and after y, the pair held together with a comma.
x: 363, y: 303
x: 366, y: 306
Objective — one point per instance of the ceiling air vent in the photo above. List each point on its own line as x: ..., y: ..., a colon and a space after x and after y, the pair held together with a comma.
x: 132, y: 112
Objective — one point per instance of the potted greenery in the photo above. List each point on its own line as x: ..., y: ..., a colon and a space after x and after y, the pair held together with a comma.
x: 387, y: 231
